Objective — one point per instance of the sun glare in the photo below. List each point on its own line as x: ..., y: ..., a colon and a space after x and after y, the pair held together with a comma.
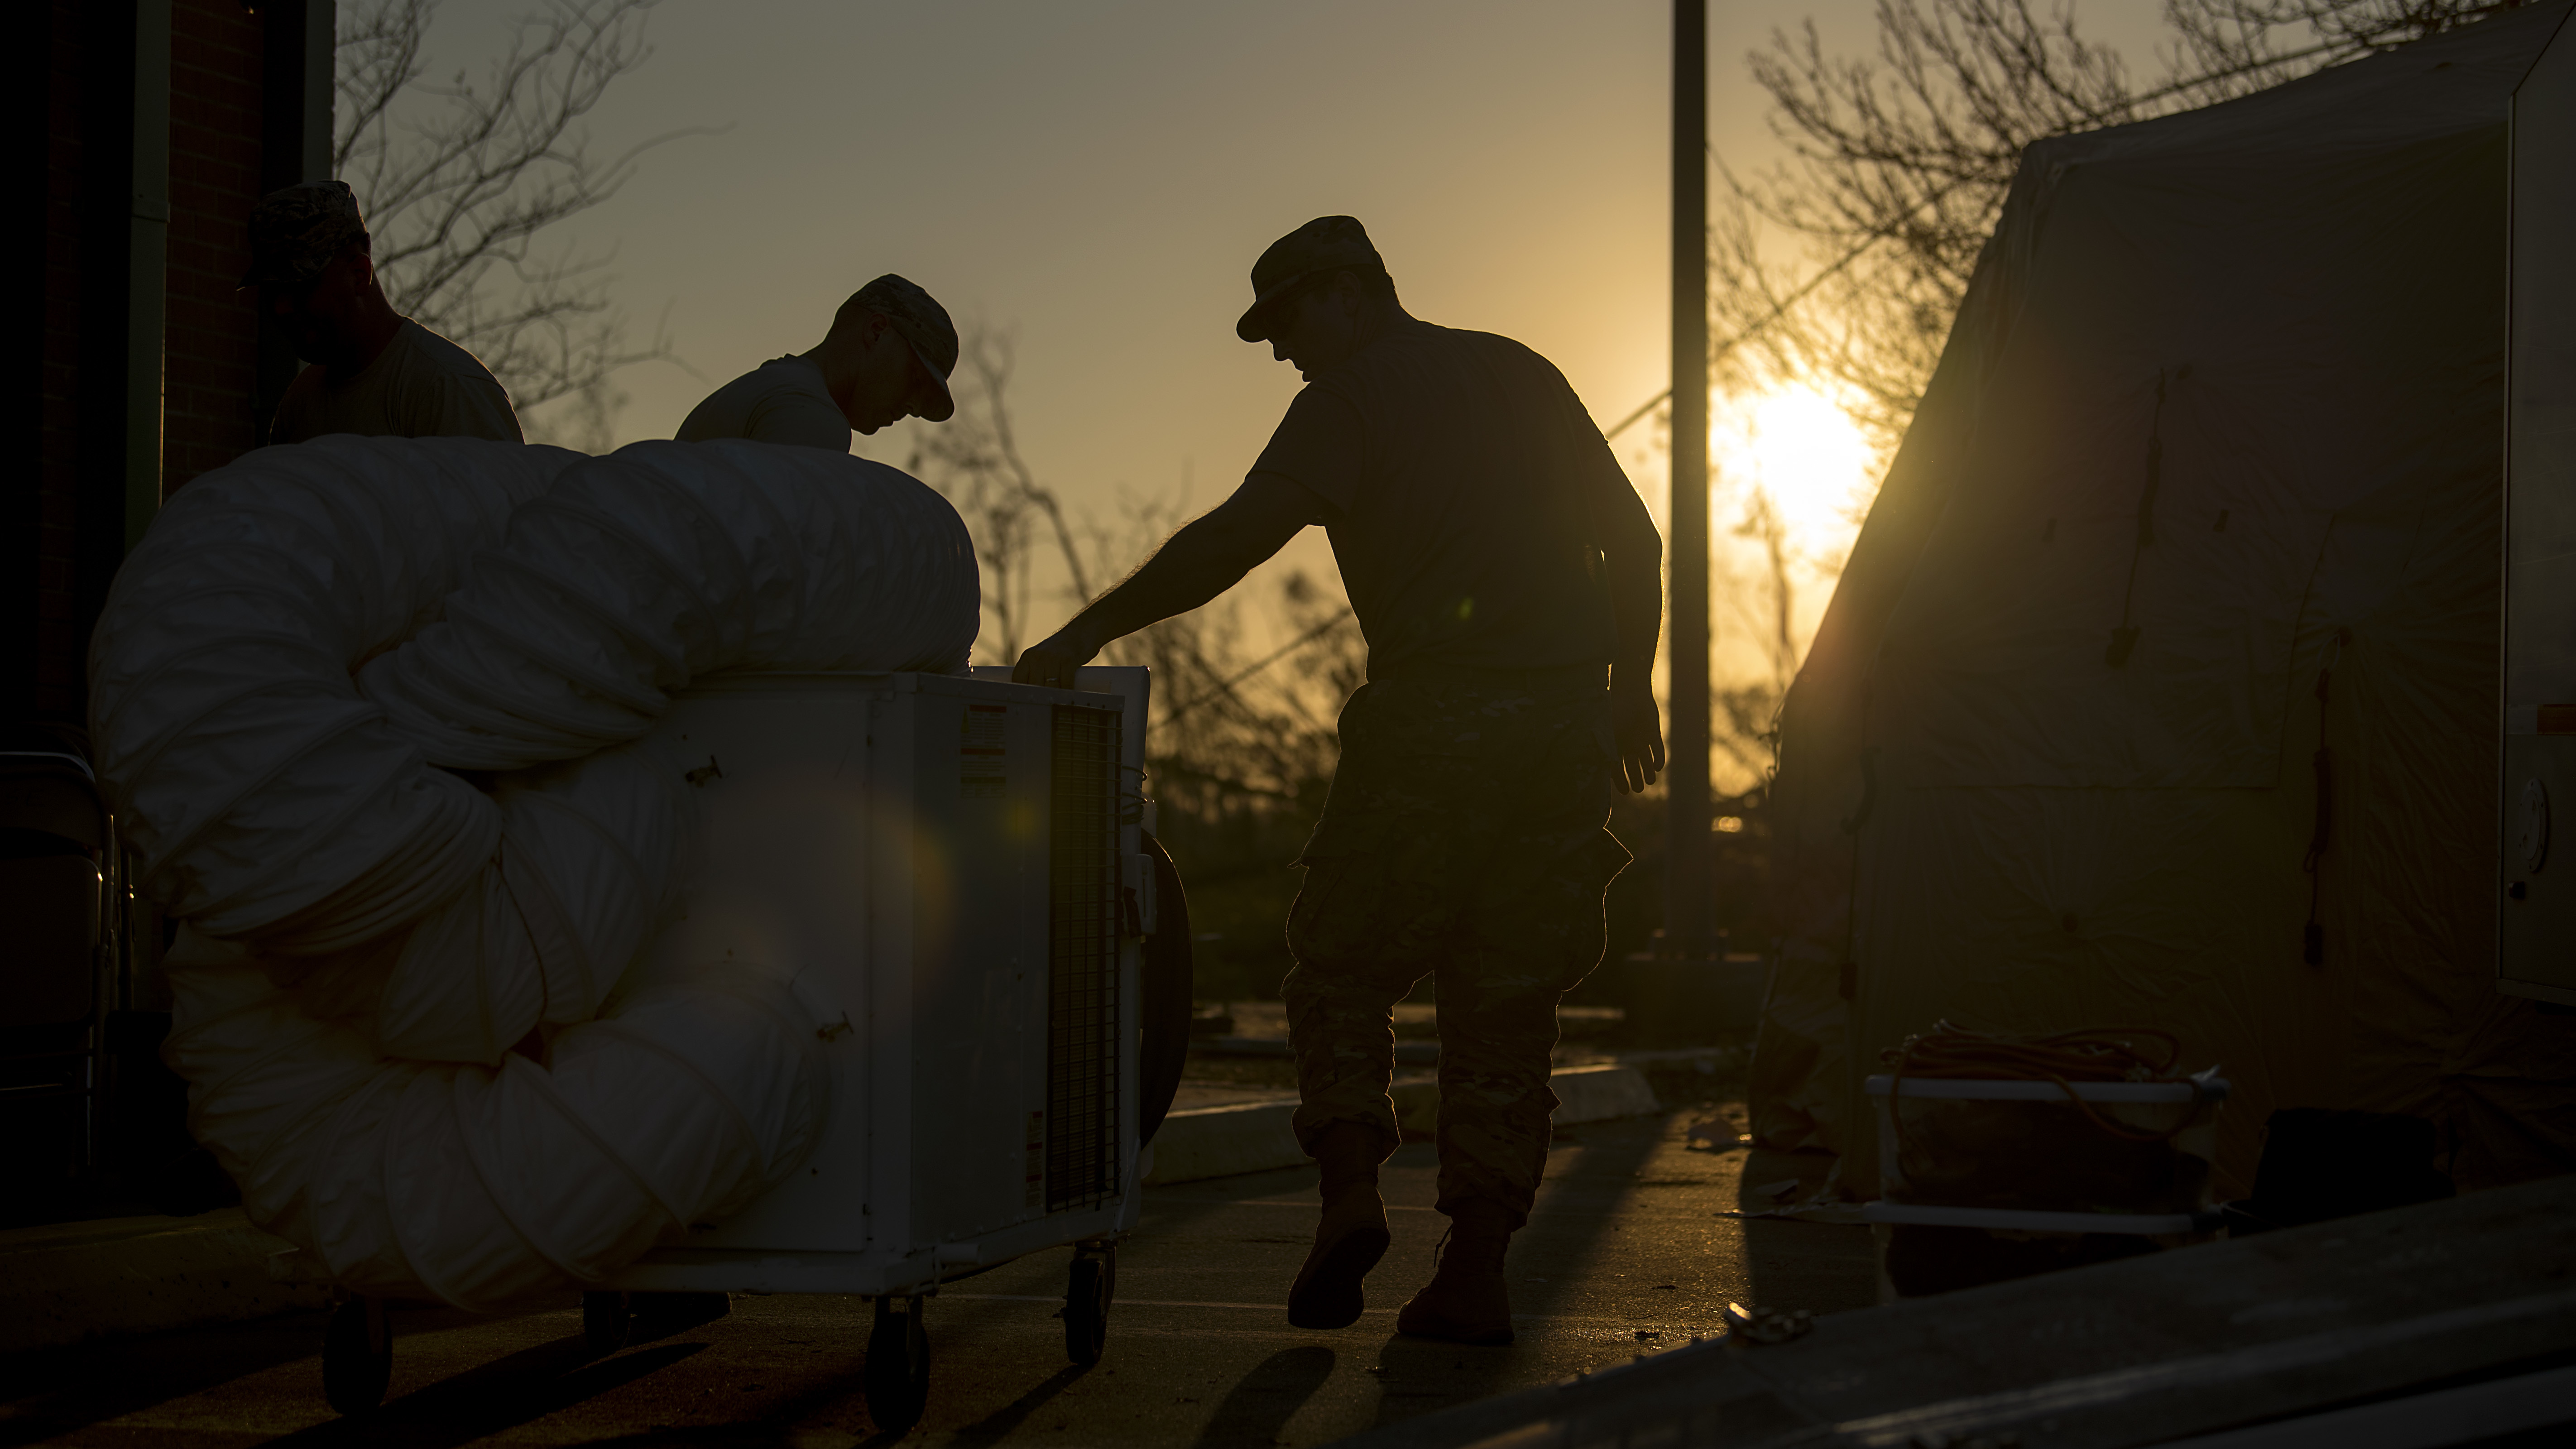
x: 1802, y: 450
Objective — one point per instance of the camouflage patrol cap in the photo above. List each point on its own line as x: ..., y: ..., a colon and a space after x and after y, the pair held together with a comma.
x: 1326, y: 244
x: 295, y: 231
x: 924, y: 324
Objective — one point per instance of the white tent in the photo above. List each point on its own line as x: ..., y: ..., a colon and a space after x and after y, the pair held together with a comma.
x: 2205, y: 492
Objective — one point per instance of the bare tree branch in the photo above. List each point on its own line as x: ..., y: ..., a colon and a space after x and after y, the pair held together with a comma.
x: 974, y: 459
x: 991, y: 355
x: 461, y: 181
x: 1899, y: 163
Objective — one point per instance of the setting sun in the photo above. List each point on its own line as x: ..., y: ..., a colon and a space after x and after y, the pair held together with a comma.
x: 1802, y: 450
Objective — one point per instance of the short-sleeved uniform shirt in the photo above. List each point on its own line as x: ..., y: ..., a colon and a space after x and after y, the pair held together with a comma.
x: 781, y: 401
x: 1465, y: 484
x: 420, y: 386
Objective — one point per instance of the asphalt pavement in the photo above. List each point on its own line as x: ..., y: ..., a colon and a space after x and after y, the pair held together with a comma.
x: 1626, y: 1255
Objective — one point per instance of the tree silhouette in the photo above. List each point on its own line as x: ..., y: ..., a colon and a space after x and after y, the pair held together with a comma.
x: 462, y: 180
x: 1898, y: 163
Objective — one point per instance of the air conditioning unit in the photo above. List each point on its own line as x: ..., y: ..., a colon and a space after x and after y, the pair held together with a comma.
x: 958, y: 869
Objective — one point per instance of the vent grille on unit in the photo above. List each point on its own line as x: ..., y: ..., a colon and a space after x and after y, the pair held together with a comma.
x: 1082, y: 961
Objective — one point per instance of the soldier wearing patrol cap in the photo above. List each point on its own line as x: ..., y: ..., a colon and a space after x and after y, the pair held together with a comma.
x: 374, y: 371
x: 887, y: 357
x: 1509, y: 583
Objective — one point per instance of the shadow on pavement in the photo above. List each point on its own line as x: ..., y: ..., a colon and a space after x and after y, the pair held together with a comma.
x: 787, y: 1421
x: 997, y: 1425
x: 1254, y: 1411
x: 1565, y: 1233
x: 52, y: 1392
x: 502, y: 1394
x: 1793, y: 1263
x: 1417, y: 1376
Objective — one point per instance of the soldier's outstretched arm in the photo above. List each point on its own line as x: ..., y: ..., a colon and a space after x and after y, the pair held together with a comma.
x: 1204, y: 559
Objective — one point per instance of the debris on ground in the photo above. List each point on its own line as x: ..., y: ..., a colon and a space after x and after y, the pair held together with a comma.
x: 1767, y: 1325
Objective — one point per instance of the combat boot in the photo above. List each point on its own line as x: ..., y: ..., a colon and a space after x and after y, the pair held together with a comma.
x: 1351, y: 1237
x: 1467, y: 1300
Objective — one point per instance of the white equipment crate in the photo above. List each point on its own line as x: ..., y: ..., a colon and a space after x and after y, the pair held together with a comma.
x: 958, y: 861
x: 960, y: 876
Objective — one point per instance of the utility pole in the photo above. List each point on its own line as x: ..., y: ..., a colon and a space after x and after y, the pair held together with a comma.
x: 1689, y: 930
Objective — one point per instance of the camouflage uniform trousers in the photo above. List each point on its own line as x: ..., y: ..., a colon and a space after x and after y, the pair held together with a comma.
x: 1464, y: 838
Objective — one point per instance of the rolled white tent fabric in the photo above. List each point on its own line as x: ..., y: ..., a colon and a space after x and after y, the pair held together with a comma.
x: 247, y: 773
x: 671, y: 560
x: 297, y: 644
x: 486, y: 1185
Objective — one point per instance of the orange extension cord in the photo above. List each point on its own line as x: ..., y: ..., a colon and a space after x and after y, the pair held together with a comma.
x: 2095, y: 1054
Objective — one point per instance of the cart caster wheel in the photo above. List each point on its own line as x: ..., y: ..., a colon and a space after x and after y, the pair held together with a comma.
x: 357, y: 1356
x: 605, y: 1318
x: 1087, y: 1292
x: 898, y: 1366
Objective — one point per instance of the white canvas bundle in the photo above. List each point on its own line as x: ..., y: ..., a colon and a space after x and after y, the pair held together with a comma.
x: 291, y: 668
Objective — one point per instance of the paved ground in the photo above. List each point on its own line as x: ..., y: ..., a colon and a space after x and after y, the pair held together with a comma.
x: 1626, y: 1255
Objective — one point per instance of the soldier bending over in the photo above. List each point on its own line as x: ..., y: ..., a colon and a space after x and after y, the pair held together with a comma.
x: 1500, y: 565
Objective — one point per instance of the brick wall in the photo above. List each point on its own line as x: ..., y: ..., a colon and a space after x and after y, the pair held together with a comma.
x: 211, y: 338
x: 58, y: 661
x: 211, y: 347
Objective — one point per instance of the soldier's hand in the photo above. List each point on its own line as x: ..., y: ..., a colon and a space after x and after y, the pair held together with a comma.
x: 1639, y: 728
x: 1054, y: 660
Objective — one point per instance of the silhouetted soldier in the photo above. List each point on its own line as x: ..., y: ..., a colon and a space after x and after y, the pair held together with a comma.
x: 888, y: 356
x: 375, y: 372
x: 1500, y: 565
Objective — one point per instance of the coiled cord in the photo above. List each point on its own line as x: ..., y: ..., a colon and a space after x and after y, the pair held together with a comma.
x: 2091, y: 1054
